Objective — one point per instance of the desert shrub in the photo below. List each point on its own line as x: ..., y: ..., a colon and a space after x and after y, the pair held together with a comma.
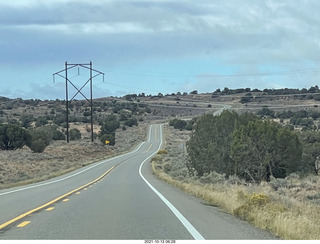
x: 162, y: 151
x: 40, y: 139
x: 212, y: 178
x: 59, y: 119
x: 108, y: 137
x: 266, y: 112
x: 247, y: 98
x: 75, y: 134
x: 110, y: 124
x: 242, y: 212
x: 58, y: 135
x: 38, y: 146
x: 13, y: 137
x: 86, y: 113
x: 235, y: 180
x: 254, y: 200
x: 13, y: 121
x: 166, y: 168
x: 182, y: 124
x: 41, y: 121
x: 279, y: 183
x: 259, y: 199
x: 131, y: 122
x: 26, y: 120
x: 157, y: 159
x: 178, y: 124
x: 108, y: 128
x: 315, y: 198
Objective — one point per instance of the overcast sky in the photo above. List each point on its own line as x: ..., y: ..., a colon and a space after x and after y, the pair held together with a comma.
x: 158, y: 46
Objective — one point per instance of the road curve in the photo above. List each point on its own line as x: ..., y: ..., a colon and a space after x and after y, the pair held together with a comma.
x: 118, y: 198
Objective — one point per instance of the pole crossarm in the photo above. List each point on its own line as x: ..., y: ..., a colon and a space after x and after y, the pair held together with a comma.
x: 79, y: 91
x: 64, y: 70
x: 81, y: 65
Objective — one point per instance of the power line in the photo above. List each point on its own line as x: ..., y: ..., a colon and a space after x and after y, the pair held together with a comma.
x: 265, y: 74
x: 132, y: 87
x: 181, y: 75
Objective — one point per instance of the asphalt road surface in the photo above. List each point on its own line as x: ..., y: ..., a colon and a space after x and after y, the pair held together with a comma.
x: 118, y: 198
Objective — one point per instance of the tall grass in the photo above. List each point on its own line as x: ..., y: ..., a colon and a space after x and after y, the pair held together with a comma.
x: 298, y: 222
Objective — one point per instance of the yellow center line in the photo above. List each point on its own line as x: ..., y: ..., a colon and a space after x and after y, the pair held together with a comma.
x: 53, y: 201
x: 148, y: 148
x: 49, y: 209
x: 23, y: 224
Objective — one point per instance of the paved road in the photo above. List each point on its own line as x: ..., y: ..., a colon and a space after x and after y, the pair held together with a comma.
x: 118, y: 198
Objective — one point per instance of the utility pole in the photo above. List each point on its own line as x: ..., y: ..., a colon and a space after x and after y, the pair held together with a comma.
x: 67, y: 101
x: 68, y: 81
x: 91, y: 103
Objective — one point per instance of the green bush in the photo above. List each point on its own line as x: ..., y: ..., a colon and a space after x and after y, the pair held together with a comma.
x: 26, y: 120
x: 131, y: 122
x: 86, y: 113
x: 75, y: 134
x: 110, y: 124
x: 41, y: 121
x: 107, y: 132
x: 58, y: 135
x: 38, y: 146
x: 182, y: 124
x: 243, y: 145
x: 40, y: 139
x: 108, y: 137
x: 13, y: 137
x: 178, y: 124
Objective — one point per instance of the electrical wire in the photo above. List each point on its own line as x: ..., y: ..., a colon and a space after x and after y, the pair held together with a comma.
x: 180, y: 75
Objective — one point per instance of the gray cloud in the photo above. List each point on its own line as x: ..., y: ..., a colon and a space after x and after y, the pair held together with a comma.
x: 250, y: 34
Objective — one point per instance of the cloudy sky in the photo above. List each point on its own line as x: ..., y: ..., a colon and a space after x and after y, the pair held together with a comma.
x: 157, y: 46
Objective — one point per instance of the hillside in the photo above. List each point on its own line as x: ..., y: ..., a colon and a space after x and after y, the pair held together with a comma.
x: 59, y: 157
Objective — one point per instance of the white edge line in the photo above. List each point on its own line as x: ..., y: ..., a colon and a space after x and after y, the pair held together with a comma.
x: 70, y: 176
x: 196, y: 235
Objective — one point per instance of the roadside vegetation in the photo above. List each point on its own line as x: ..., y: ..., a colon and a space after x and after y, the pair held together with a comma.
x: 261, y: 166
x: 244, y: 146
x: 22, y: 166
x: 33, y: 133
x: 250, y: 171
x: 36, y: 128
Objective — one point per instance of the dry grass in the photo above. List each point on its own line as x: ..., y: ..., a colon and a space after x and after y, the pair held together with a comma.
x: 288, y: 208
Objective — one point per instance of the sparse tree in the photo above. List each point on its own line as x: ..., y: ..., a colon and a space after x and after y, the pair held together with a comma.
x: 13, y: 137
x: 40, y: 139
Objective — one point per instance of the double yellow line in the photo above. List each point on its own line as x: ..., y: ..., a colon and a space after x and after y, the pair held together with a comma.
x: 53, y: 201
